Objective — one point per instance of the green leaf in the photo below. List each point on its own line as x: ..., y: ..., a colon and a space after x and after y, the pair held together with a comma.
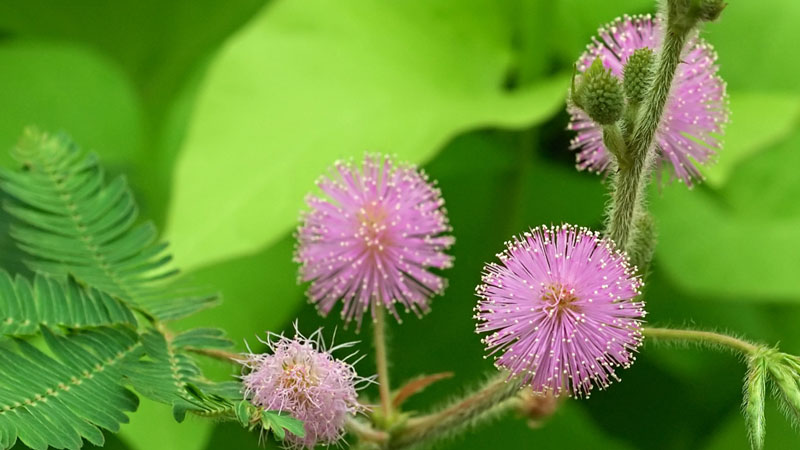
x: 279, y: 421
x: 309, y: 82
x: 151, y: 429
x: 48, y: 402
x: 709, y: 250
x: 170, y: 375
x: 244, y: 411
x: 74, y: 223
x: 60, y: 86
x: 50, y: 302
x: 261, y: 313
x: 759, y: 121
x: 771, y: 36
x: 734, y: 242
x: 160, y: 50
x: 156, y: 43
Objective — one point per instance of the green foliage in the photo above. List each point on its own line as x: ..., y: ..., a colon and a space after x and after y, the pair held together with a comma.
x: 46, y: 401
x: 340, y: 70
x: 93, y: 265
x: 276, y: 421
x: 73, y: 223
x: 24, y: 307
x: 87, y: 85
x: 760, y: 121
x: 279, y: 423
x: 121, y: 78
x: 169, y: 375
x: 754, y: 221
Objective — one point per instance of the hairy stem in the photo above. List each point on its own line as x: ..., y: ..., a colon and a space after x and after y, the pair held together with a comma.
x: 631, y: 180
x: 707, y: 338
x: 222, y: 355
x: 615, y: 143
x: 382, y: 362
x: 495, y: 397
x: 365, y: 432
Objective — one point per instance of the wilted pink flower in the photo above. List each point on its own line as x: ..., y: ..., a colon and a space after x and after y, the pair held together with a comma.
x: 696, y: 109
x: 300, y: 376
x: 371, y: 240
x: 560, y: 308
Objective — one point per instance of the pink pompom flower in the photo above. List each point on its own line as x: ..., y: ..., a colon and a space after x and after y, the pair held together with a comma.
x: 372, y: 238
x: 696, y: 110
x: 302, y: 377
x: 560, y: 309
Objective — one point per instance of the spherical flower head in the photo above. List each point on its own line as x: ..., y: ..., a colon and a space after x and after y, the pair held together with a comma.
x: 300, y: 376
x: 372, y: 238
x: 560, y: 309
x: 695, y: 113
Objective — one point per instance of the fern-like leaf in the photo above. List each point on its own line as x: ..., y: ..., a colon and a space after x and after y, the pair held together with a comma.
x: 57, y: 402
x: 170, y: 375
x: 73, y: 222
x: 51, y: 302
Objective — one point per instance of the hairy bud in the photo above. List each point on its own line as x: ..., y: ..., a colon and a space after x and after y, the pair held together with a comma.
x: 600, y: 94
x: 785, y: 375
x: 638, y: 74
x: 754, y: 393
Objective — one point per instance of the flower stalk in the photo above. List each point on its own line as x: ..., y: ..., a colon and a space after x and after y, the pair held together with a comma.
x: 382, y: 362
x: 494, y: 398
x: 631, y: 179
x: 706, y: 338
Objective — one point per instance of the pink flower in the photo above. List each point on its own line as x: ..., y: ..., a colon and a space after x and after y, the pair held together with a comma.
x: 695, y: 113
x: 560, y: 308
x: 372, y: 238
x: 302, y: 377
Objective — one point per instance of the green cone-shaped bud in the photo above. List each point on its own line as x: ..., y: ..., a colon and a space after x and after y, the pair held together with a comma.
x: 600, y: 94
x: 638, y: 74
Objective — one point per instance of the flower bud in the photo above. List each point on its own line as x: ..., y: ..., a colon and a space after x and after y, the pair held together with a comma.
x: 600, y: 94
x: 638, y: 74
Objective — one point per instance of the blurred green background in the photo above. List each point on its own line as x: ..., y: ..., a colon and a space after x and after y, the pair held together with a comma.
x: 222, y: 114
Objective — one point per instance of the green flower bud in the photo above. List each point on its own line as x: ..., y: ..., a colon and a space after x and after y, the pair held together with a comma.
x: 638, y: 74
x: 600, y: 94
x: 787, y: 382
x: 754, y: 394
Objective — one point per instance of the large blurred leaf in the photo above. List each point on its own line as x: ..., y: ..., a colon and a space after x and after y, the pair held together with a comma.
x: 575, y: 22
x: 260, y: 293
x: 756, y: 42
x: 162, y: 49
x: 66, y: 87
x: 157, y: 43
x: 740, y: 241
x: 312, y: 81
x: 759, y: 121
x: 153, y: 428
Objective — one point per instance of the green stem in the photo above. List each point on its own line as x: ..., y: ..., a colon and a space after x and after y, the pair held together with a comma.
x: 615, y: 143
x: 222, y: 355
x: 495, y: 397
x: 365, y: 432
x: 707, y: 338
x: 631, y: 180
x: 382, y: 363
